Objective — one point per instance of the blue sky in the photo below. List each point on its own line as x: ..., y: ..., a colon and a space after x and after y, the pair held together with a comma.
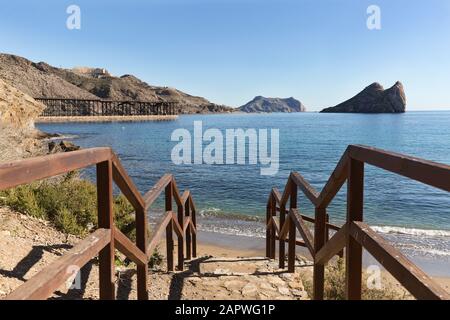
x: 319, y: 51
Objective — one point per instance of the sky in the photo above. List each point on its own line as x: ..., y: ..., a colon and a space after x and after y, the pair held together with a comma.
x: 228, y: 51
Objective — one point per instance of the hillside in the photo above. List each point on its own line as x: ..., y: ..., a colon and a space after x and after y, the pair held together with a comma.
x: 43, y: 80
x: 374, y: 99
x: 263, y: 104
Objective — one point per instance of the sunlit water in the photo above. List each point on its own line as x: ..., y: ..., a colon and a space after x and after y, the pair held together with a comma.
x: 232, y: 198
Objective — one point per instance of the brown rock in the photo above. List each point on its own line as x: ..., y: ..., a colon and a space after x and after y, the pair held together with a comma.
x: 374, y: 99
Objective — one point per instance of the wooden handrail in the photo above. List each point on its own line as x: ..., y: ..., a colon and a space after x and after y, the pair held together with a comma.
x: 128, y: 248
x: 107, y: 238
x: 49, y: 279
x: 299, y: 223
x: 25, y: 171
x: 354, y: 235
x: 157, y: 189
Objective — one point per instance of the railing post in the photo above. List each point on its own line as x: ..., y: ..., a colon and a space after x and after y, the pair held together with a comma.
x: 180, y: 212
x: 187, y: 209
x: 353, y: 259
x: 292, y: 231
x: 319, y: 241
x: 169, y: 228
x: 194, y: 234
x: 105, y: 220
x: 268, y: 230
x: 282, y: 247
x: 273, y: 233
x: 141, y: 242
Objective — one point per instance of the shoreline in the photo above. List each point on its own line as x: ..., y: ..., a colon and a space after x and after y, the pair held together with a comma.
x: 251, y: 246
x: 242, y: 246
x: 89, y: 119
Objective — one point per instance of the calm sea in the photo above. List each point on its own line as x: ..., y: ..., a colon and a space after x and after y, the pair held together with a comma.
x: 231, y: 198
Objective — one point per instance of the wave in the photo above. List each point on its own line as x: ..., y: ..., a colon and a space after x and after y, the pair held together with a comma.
x: 212, y: 212
x: 63, y: 137
x: 411, y: 231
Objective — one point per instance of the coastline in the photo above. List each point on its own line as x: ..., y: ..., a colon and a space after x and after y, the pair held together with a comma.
x: 88, y: 119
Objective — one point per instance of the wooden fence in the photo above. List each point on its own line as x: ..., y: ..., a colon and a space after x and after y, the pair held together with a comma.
x: 56, y: 107
x: 107, y: 237
x: 354, y: 235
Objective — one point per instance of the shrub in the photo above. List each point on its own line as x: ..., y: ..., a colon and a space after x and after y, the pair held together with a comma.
x: 69, y: 203
x: 334, y: 287
x: 155, y: 259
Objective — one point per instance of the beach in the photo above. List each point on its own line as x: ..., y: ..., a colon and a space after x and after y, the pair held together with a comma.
x: 241, y: 246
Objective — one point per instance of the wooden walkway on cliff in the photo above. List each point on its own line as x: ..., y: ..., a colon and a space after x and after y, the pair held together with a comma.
x: 58, y: 107
x: 284, y: 221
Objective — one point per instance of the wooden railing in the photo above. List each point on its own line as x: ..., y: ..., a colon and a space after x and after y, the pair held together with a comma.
x: 107, y: 237
x: 354, y: 235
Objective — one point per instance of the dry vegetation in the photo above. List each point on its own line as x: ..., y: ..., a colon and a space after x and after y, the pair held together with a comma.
x: 334, y: 288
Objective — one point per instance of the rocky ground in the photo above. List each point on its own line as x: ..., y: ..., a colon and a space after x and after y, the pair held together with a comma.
x: 235, y: 278
x: 29, y: 244
x: 17, y: 144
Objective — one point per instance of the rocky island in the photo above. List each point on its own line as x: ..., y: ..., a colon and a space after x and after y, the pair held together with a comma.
x: 374, y: 99
x: 263, y: 104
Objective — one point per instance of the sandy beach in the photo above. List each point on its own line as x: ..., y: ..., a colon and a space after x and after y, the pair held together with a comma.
x: 240, y: 246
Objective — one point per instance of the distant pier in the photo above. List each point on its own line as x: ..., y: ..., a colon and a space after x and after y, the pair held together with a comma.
x: 83, y: 110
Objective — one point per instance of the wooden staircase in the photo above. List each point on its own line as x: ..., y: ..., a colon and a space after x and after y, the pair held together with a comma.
x: 284, y: 220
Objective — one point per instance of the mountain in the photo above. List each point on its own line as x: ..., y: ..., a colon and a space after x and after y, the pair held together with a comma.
x: 374, y: 99
x: 43, y: 80
x: 262, y: 104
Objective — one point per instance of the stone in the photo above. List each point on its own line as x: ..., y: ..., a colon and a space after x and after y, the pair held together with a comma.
x: 5, y: 233
x: 296, y: 285
x: 68, y: 146
x: 299, y: 293
x: 284, y: 291
x: 286, y: 276
x: 374, y: 99
x: 267, y: 286
x: 249, y: 289
x: 275, y: 280
x: 234, y: 285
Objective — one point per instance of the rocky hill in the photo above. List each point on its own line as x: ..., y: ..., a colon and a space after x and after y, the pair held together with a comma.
x: 43, y: 80
x: 374, y: 99
x: 263, y: 104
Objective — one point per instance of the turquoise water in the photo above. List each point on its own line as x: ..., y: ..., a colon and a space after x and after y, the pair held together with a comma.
x: 310, y: 143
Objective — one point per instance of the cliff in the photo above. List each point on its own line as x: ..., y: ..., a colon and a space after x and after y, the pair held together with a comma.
x: 18, y: 137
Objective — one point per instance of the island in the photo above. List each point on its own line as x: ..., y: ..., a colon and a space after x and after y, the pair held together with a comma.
x: 374, y: 99
x: 263, y: 104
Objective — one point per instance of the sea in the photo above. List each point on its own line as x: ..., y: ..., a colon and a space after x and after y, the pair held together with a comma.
x: 231, y: 197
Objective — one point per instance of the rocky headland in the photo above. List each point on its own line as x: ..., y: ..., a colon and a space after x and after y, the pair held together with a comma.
x: 374, y: 99
x: 263, y: 104
x: 45, y: 81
